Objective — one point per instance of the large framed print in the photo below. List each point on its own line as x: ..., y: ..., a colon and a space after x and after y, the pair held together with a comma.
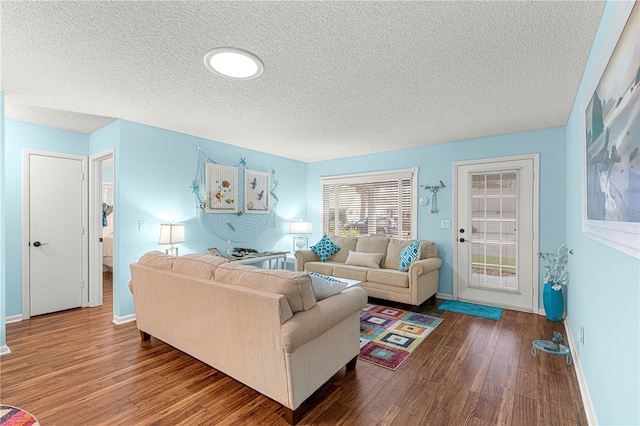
x: 611, y: 211
x: 256, y: 192
x: 222, y: 188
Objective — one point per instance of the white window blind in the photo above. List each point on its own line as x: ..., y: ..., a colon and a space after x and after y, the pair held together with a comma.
x: 371, y: 204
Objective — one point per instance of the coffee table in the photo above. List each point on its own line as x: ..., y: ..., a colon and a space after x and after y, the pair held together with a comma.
x: 350, y: 283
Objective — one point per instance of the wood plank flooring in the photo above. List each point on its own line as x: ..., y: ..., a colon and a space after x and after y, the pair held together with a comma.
x: 77, y: 368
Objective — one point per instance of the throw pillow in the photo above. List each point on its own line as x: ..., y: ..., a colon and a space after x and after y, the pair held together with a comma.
x: 325, y: 248
x: 408, y: 255
x: 368, y: 260
x: 324, y: 286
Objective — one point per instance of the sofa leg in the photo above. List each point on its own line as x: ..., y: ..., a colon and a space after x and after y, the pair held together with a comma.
x: 292, y: 416
x: 351, y: 365
x: 144, y: 336
x: 432, y: 299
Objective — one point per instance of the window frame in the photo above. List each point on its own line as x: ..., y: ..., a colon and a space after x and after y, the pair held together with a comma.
x: 369, y: 178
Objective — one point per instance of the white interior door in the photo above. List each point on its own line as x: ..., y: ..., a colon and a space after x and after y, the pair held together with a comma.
x: 55, y: 233
x: 496, y: 233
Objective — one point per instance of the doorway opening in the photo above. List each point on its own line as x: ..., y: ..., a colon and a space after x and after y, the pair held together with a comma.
x: 102, y: 233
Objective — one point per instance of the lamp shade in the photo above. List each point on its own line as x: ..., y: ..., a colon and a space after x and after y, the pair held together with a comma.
x: 171, y: 233
x: 300, y: 227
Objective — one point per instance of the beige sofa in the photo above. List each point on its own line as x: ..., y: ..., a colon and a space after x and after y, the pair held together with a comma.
x: 263, y: 328
x: 413, y: 287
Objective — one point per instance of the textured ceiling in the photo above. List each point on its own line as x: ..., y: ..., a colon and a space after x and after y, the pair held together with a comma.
x: 340, y: 78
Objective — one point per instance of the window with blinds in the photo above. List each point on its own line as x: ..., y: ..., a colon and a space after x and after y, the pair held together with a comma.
x: 371, y: 204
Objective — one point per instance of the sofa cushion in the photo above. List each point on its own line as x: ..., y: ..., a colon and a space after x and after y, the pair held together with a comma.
x: 408, y: 255
x: 392, y: 259
x: 295, y: 286
x: 391, y: 277
x: 345, y: 244
x: 373, y: 245
x: 199, y: 265
x: 350, y: 272
x: 324, y: 268
x: 325, y: 248
x: 368, y: 260
x: 157, y: 260
x: 324, y: 286
x: 428, y: 249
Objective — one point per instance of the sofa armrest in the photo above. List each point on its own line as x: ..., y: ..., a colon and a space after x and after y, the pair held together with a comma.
x: 308, y: 325
x: 424, y: 266
x: 304, y: 256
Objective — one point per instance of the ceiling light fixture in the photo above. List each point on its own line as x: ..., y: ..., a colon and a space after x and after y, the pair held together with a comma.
x: 233, y: 63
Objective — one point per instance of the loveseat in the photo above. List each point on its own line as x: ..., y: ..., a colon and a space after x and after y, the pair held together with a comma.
x: 382, y: 279
x: 264, y: 328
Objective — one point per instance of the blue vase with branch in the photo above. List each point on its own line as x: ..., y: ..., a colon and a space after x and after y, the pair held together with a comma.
x: 556, y: 276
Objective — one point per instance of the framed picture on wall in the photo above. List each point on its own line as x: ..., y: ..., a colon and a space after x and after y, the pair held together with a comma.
x: 221, y: 184
x: 611, y: 202
x: 256, y: 192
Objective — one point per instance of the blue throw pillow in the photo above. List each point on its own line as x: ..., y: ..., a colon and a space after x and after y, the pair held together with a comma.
x: 325, y: 248
x: 408, y: 255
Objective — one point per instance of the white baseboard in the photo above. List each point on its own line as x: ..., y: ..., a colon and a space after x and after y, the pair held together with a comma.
x: 13, y: 318
x: 444, y: 296
x: 4, y: 350
x: 125, y: 319
x: 582, y: 382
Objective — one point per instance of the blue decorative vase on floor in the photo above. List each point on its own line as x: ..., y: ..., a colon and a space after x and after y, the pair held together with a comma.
x: 553, y: 303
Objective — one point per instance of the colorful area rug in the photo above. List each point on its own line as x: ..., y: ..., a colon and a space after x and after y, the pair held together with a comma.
x: 389, y: 335
x: 12, y: 416
x: 472, y: 309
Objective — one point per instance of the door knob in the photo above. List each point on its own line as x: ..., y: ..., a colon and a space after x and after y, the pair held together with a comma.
x: 38, y: 244
x: 462, y: 230
x: 462, y: 240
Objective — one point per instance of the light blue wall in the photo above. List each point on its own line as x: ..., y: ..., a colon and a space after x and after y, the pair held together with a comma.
x: 3, y: 234
x: 436, y: 163
x: 603, y: 293
x: 154, y: 169
x: 18, y: 136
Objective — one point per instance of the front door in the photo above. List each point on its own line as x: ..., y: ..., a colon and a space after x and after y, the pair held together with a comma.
x: 55, y: 239
x: 495, y: 232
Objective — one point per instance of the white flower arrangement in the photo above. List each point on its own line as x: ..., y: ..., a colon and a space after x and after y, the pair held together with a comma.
x: 556, y: 267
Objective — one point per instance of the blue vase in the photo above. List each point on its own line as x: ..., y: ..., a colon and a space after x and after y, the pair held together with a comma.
x: 553, y: 303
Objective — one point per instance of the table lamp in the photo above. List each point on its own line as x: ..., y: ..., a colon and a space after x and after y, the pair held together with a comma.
x: 171, y: 233
x: 298, y: 227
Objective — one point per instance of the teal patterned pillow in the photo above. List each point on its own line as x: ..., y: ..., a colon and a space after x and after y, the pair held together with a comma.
x: 408, y: 255
x: 325, y: 248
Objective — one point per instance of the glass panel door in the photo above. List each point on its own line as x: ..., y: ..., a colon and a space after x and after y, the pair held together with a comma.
x: 494, y: 224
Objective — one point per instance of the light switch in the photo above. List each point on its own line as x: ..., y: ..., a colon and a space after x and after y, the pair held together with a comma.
x: 445, y: 224
x: 142, y: 225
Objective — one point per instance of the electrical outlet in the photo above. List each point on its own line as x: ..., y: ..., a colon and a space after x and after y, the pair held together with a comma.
x: 581, y: 336
x: 445, y: 224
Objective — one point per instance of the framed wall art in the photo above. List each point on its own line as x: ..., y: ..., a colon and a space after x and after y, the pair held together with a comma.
x: 611, y: 202
x: 256, y: 192
x: 221, y: 188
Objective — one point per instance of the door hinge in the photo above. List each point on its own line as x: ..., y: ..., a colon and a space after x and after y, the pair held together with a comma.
x: 81, y: 176
x: 82, y: 284
x: 82, y: 230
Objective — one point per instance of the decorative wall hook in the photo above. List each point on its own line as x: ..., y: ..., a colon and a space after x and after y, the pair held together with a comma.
x: 434, y: 190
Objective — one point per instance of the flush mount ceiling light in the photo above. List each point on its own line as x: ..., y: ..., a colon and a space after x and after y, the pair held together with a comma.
x: 233, y: 63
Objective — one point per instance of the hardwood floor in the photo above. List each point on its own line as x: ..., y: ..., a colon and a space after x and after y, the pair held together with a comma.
x: 77, y: 368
